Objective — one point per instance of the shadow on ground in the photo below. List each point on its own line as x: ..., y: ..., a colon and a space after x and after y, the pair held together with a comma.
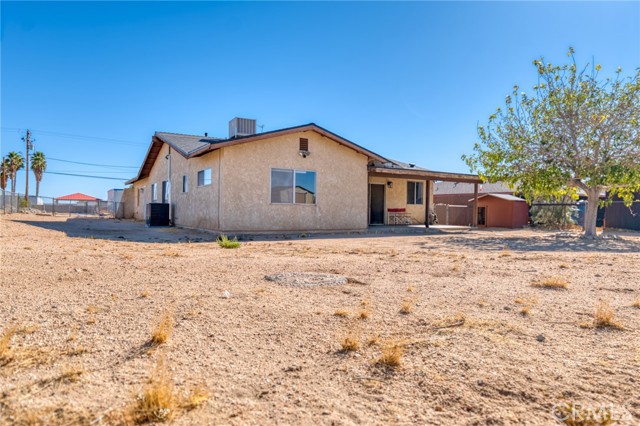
x: 544, y: 241
x: 121, y: 230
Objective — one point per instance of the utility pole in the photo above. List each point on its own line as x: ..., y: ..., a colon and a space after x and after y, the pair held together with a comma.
x: 27, y: 139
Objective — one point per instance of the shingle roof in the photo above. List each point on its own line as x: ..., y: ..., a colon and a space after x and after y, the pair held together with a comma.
x: 501, y: 196
x: 453, y: 188
x: 193, y: 146
x: 186, y: 143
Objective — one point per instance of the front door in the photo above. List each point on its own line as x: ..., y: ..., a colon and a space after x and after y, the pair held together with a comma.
x: 376, y: 208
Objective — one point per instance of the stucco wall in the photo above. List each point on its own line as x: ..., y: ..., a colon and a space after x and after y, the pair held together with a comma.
x: 197, y: 208
x: 341, y: 186
x: 396, y: 197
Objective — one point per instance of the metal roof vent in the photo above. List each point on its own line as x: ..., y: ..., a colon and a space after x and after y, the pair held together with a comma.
x: 412, y: 165
x: 242, y: 127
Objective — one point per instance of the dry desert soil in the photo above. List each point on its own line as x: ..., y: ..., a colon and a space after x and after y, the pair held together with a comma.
x: 481, y: 334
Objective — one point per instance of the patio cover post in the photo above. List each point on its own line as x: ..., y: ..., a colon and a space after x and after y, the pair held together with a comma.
x: 427, y: 209
x: 475, y: 205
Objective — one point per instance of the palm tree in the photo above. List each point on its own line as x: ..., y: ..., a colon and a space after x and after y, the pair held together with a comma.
x: 16, y: 162
x: 4, y: 169
x: 38, y: 165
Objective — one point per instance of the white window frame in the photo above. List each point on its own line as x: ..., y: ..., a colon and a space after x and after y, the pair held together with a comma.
x: 293, y: 202
x: 203, y: 179
x: 415, y: 192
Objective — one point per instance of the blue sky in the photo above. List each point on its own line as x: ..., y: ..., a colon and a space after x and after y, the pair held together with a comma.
x: 409, y: 80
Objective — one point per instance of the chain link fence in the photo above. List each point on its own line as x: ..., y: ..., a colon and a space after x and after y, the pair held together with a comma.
x: 11, y: 202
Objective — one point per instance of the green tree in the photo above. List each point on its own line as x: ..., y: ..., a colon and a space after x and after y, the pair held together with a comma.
x: 38, y: 165
x: 4, y: 170
x: 15, y: 162
x: 576, y: 130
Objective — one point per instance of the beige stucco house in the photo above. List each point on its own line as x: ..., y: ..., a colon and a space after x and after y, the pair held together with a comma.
x: 302, y: 178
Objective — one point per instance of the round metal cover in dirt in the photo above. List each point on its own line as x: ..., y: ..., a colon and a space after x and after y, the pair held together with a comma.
x: 303, y: 279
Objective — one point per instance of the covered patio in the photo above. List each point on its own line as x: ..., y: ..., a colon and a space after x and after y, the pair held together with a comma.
x: 402, y: 194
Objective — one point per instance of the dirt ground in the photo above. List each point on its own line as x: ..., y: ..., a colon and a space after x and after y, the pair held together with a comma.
x: 86, y: 294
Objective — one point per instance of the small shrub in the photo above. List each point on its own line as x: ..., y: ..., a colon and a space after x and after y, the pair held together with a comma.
x: 163, y: 329
x: 392, y: 352
x: 525, y: 311
x: 604, y: 316
x: 343, y: 313
x: 224, y: 242
x: 554, y: 283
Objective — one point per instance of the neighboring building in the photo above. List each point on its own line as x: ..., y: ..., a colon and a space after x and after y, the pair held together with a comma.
x: 77, y: 197
x: 302, y: 178
x: 502, y: 211
x: 114, y: 195
x: 451, y: 200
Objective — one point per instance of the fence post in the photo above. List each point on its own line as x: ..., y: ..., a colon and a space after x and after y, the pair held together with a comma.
x: 53, y: 207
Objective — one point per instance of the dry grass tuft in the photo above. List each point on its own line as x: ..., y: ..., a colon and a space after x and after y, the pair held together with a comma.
x: 171, y: 253
x: 145, y: 293
x: 457, y: 320
x: 505, y: 253
x: 71, y: 373
x: 28, y: 329
x: 374, y: 339
x: 363, y: 314
x: 350, y: 343
x: 157, y: 401
x: 196, y: 398
x: 5, y: 343
x: 563, y: 266
x: 163, y: 329
x: 407, y: 306
x: 573, y: 414
x: 392, y: 352
x: 604, y: 316
x: 525, y: 311
x: 555, y: 283
x: 92, y: 309
x: 410, y: 289
x: 342, y: 313
x: 636, y: 303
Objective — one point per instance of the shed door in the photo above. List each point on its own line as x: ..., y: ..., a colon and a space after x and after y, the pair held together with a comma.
x: 482, y: 216
x: 376, y: 208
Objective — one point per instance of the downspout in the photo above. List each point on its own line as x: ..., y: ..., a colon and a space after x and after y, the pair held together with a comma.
x: 219, y: 183
x: 168, y: 157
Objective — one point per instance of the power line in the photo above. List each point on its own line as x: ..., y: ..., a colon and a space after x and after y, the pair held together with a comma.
x: 91, y: 164
x: 78, y: 137
x: 87, y: 171
x: 88, y: 176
